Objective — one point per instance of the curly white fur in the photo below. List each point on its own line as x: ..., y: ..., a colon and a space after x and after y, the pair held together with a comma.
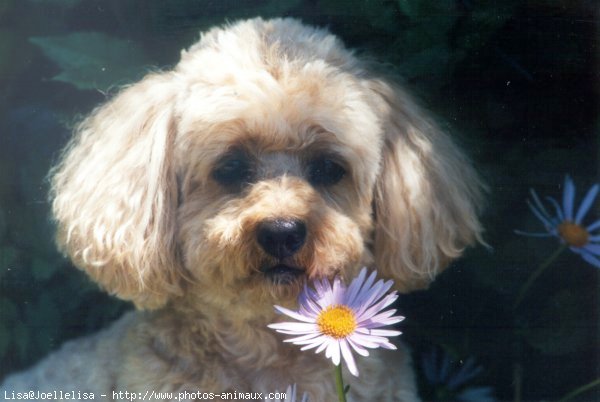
x: 138, y: 208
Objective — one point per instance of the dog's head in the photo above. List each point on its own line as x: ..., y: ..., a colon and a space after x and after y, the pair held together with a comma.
x: 268, y: 155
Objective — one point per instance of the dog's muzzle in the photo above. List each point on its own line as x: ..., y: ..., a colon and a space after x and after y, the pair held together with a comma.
x: 281, y: 238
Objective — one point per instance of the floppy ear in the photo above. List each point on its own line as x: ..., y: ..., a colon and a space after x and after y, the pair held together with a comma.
x: 427, y: 195
x: 114, y: 194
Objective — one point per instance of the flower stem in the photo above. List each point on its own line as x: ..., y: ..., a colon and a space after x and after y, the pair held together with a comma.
x: 518, y: 382
x: 581, y: 390
x: 542, y: 267
x: 339, y: 383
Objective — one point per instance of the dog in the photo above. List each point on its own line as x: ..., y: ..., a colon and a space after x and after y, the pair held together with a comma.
x: 268, y: 156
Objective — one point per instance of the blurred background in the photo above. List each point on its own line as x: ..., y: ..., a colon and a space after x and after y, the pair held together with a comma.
x: 516, y: 81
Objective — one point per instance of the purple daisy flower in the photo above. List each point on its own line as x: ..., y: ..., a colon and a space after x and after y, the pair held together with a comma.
x: 338, y: 319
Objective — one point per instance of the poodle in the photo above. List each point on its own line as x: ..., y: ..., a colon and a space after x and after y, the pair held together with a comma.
x: 206, y: 194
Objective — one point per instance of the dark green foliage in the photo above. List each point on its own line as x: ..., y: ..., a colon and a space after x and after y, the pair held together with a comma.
x: 92, y: 60
x: 562, y: 326
x: 517, y: 79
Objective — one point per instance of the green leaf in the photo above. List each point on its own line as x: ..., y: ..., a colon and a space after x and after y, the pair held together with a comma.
x: 4, y: 338
x: 418, y: 9
x: 8, y: 318
x: 8, y: 48
x: 430, y: 62
x: 349, y: 8
x: 92, y: 60
x: 177, y: 16
x: 408, y: 7
x: 382, y: 15
x: 3, y: 225
x: 374, y: 14
x: 277, y: 7
x: 45, y: 317
x: 8, y: 256
x: 21, y: 336
x: 60, y: 3
x: 8, y: 311
x: 484, y: 21
x: 42, y: 269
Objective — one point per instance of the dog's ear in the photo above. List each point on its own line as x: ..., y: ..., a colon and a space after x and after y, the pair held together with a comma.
x: 427, y: 196
x: 114, y: 194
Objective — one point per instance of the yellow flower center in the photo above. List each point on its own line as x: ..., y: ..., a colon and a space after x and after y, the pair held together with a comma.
x: 573, y: 234
x: 337, y: 321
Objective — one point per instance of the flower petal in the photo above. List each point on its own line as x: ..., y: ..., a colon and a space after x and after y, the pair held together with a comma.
x: 385, y: 318
x: 538, y: 208
x: 595, y: 261
x: 557, y: 209
x: 376, y: 308
x: 357, y: 348
x: 467, y: 372
x: 348, y: 358
x: 338, y: 292
x: 304, y: 339
x: 388, y: 345
x: 368, y: 299
x: 308, y: 306
x: 476, y: 394
x: 384, y: 332
x: 445, y: 368
x: 594, y: 226
x: 364, y: 341
x: 546, y: 220
x: 592, y: 248
x: 587, y: 203
x: 323, y: 346
x: 294, y: 314
x: 355, y: 286
x: 324, y: 292
x: 321, y: 343
x: 370, y: 341
x: 296, y: 341
x: 333, y: 352
x: 429, y: 365
x: 294, y: 328
x: 568, y: 198
x: 364, y: 287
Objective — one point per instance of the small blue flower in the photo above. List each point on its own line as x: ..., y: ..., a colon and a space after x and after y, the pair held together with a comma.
x: 450, y: 381
x: 566, y: 224
x: 476, y: 394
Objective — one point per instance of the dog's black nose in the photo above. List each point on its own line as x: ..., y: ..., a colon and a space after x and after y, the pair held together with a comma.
x: 281, y: 237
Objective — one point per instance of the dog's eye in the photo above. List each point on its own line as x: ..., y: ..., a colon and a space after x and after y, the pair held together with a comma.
x: 325, y: 172
x: 233, y: 171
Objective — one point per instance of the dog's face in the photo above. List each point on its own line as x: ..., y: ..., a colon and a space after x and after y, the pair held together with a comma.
x: 277, y: 186
x: 268, y: 156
